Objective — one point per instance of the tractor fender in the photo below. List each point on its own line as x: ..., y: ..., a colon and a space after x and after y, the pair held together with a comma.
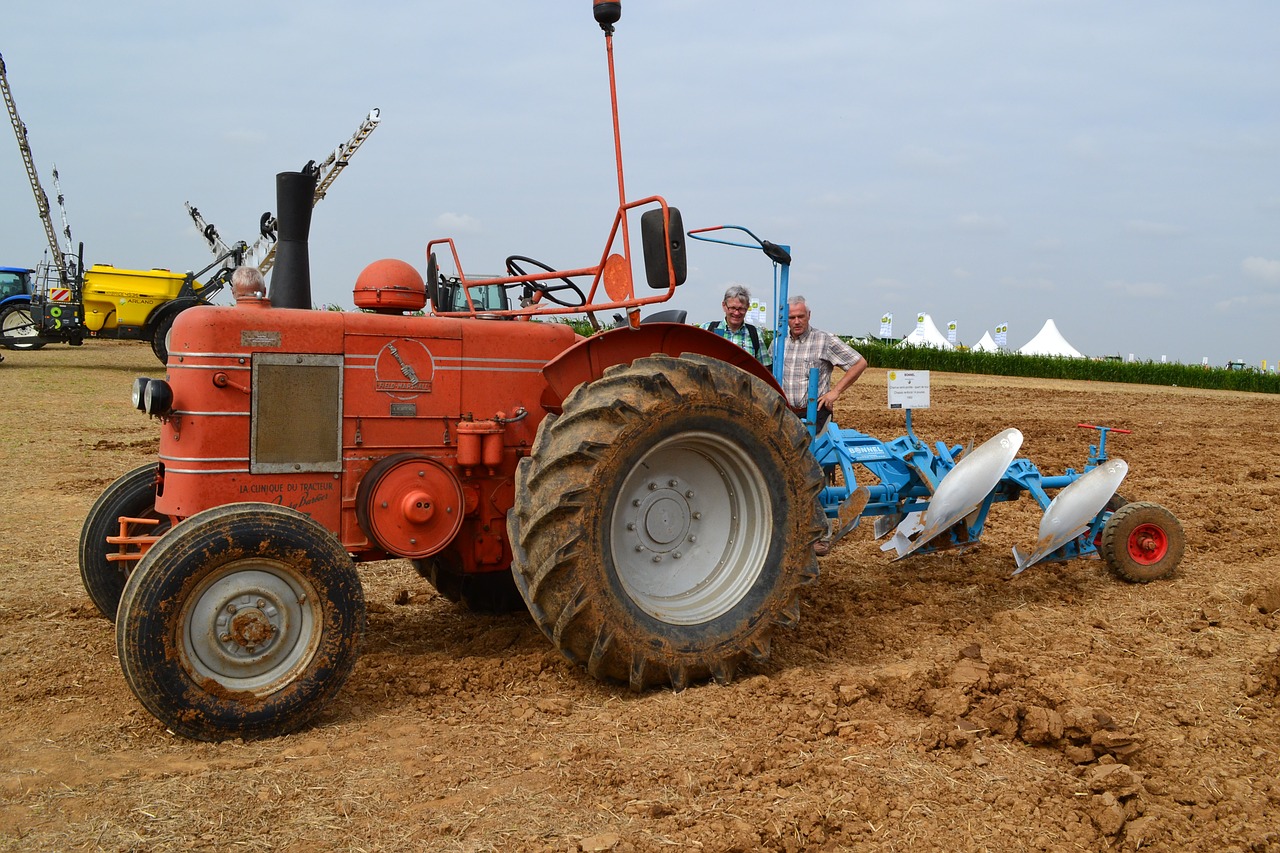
x: 587, y: 360
x: 16, y: 299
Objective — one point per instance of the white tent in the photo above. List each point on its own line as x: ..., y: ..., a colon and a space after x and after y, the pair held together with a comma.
x: 1049, y: 341
x: 984, y: 345
x: 926, y: 334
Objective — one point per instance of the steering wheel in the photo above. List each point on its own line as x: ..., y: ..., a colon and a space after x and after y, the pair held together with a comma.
x: 547, y: 290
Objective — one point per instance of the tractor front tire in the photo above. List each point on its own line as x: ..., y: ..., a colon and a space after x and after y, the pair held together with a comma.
x: 664, y: 522
x: 1142, y: 542
x: 133, y: 496
x: 244, y: 621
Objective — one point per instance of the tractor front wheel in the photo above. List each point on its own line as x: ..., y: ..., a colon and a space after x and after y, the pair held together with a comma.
x: 131, y: 496
x: 664, y: 522
x: 244, y: 621
x: 1142, y: 542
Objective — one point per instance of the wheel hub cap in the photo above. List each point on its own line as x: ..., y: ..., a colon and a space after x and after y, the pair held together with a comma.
x: 250, y: 626
x: 691, y: 527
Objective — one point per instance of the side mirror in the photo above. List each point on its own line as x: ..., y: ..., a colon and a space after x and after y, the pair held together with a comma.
x: 433, y: 282
x: 654, y: 237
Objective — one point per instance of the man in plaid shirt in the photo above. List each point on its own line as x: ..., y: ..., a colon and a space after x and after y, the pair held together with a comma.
x: 808, y: 348
x: 735, y: 328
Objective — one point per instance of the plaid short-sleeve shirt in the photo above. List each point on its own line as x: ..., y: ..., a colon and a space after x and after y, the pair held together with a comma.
x: 815, y: 348
x: 742, y: 337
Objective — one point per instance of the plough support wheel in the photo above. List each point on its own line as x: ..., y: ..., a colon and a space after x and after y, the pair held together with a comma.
x: 1142, y: 542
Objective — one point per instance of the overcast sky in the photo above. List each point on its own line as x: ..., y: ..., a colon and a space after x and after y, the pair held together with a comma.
x: 1114, y: 166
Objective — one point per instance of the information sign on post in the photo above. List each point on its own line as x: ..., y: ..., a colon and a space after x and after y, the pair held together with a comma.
x: 908, y: 389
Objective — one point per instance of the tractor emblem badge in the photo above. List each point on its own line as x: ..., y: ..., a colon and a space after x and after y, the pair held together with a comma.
x: 404, y: 369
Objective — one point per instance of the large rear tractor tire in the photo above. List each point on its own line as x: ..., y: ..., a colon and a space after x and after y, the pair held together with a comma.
x: 133, y: 496
x: 244, y: 621
x: 1142, y: 542
x: 17, y: 328
x: 664, y: 523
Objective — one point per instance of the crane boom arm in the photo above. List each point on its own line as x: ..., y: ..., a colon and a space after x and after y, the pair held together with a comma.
x: 328, y: 171
x: 208, y: 232
x: 42, y: 200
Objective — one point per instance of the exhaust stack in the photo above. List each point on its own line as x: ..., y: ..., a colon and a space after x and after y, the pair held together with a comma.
x: 291, y: 279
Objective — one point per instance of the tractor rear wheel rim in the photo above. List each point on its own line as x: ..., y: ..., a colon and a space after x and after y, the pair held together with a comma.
x: 1148, y: 544
x: 686, y: 530
x: 251, y: 626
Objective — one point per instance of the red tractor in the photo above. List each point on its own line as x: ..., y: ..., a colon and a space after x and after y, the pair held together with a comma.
x: 645, y: 492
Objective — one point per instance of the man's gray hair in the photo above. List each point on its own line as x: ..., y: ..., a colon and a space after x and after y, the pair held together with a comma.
x: 250, y: 277
x: 797, y: 300
x: 737, y: 291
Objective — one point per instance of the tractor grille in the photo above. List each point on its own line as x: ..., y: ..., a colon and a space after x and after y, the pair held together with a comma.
x: 297, y: 414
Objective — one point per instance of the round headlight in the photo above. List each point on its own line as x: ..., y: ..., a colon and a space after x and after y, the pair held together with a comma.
x: 157, y: 398
x: 139, y: 392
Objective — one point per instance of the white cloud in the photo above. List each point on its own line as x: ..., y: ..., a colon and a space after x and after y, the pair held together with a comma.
x: 1153, y: 229
x: 976, y: 222
x: 243, y: 136
x: 1139, y: 289
x: 1085, y: 148
x: 922, y: 157
x: 1044, y: 285
x: 834, y: 199
x: 1248, y: 302
x: 1263, y: 268
x: 457, y: 223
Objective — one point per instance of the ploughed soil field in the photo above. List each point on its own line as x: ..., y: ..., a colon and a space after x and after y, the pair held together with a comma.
x: 931, y: 703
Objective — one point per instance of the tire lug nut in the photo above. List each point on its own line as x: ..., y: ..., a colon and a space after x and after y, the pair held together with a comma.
x: 631, y: 525
x: 657, y: 559
x: 689, y: 493
x: 673, y: 482
x: 653, y: 486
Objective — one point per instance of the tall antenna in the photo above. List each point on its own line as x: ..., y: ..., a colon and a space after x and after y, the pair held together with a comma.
x: 42, y: 200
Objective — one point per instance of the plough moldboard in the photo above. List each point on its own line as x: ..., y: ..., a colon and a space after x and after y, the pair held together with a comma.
x: 926, y: 500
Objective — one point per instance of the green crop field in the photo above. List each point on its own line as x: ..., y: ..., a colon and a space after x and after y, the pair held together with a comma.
x: 1048, y: 367
x: 1055, y: 367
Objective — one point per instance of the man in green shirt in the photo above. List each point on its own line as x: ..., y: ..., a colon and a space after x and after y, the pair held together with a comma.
x: 735, y: 326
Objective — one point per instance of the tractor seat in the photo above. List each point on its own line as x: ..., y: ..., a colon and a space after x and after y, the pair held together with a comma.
x: 671, y: 315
